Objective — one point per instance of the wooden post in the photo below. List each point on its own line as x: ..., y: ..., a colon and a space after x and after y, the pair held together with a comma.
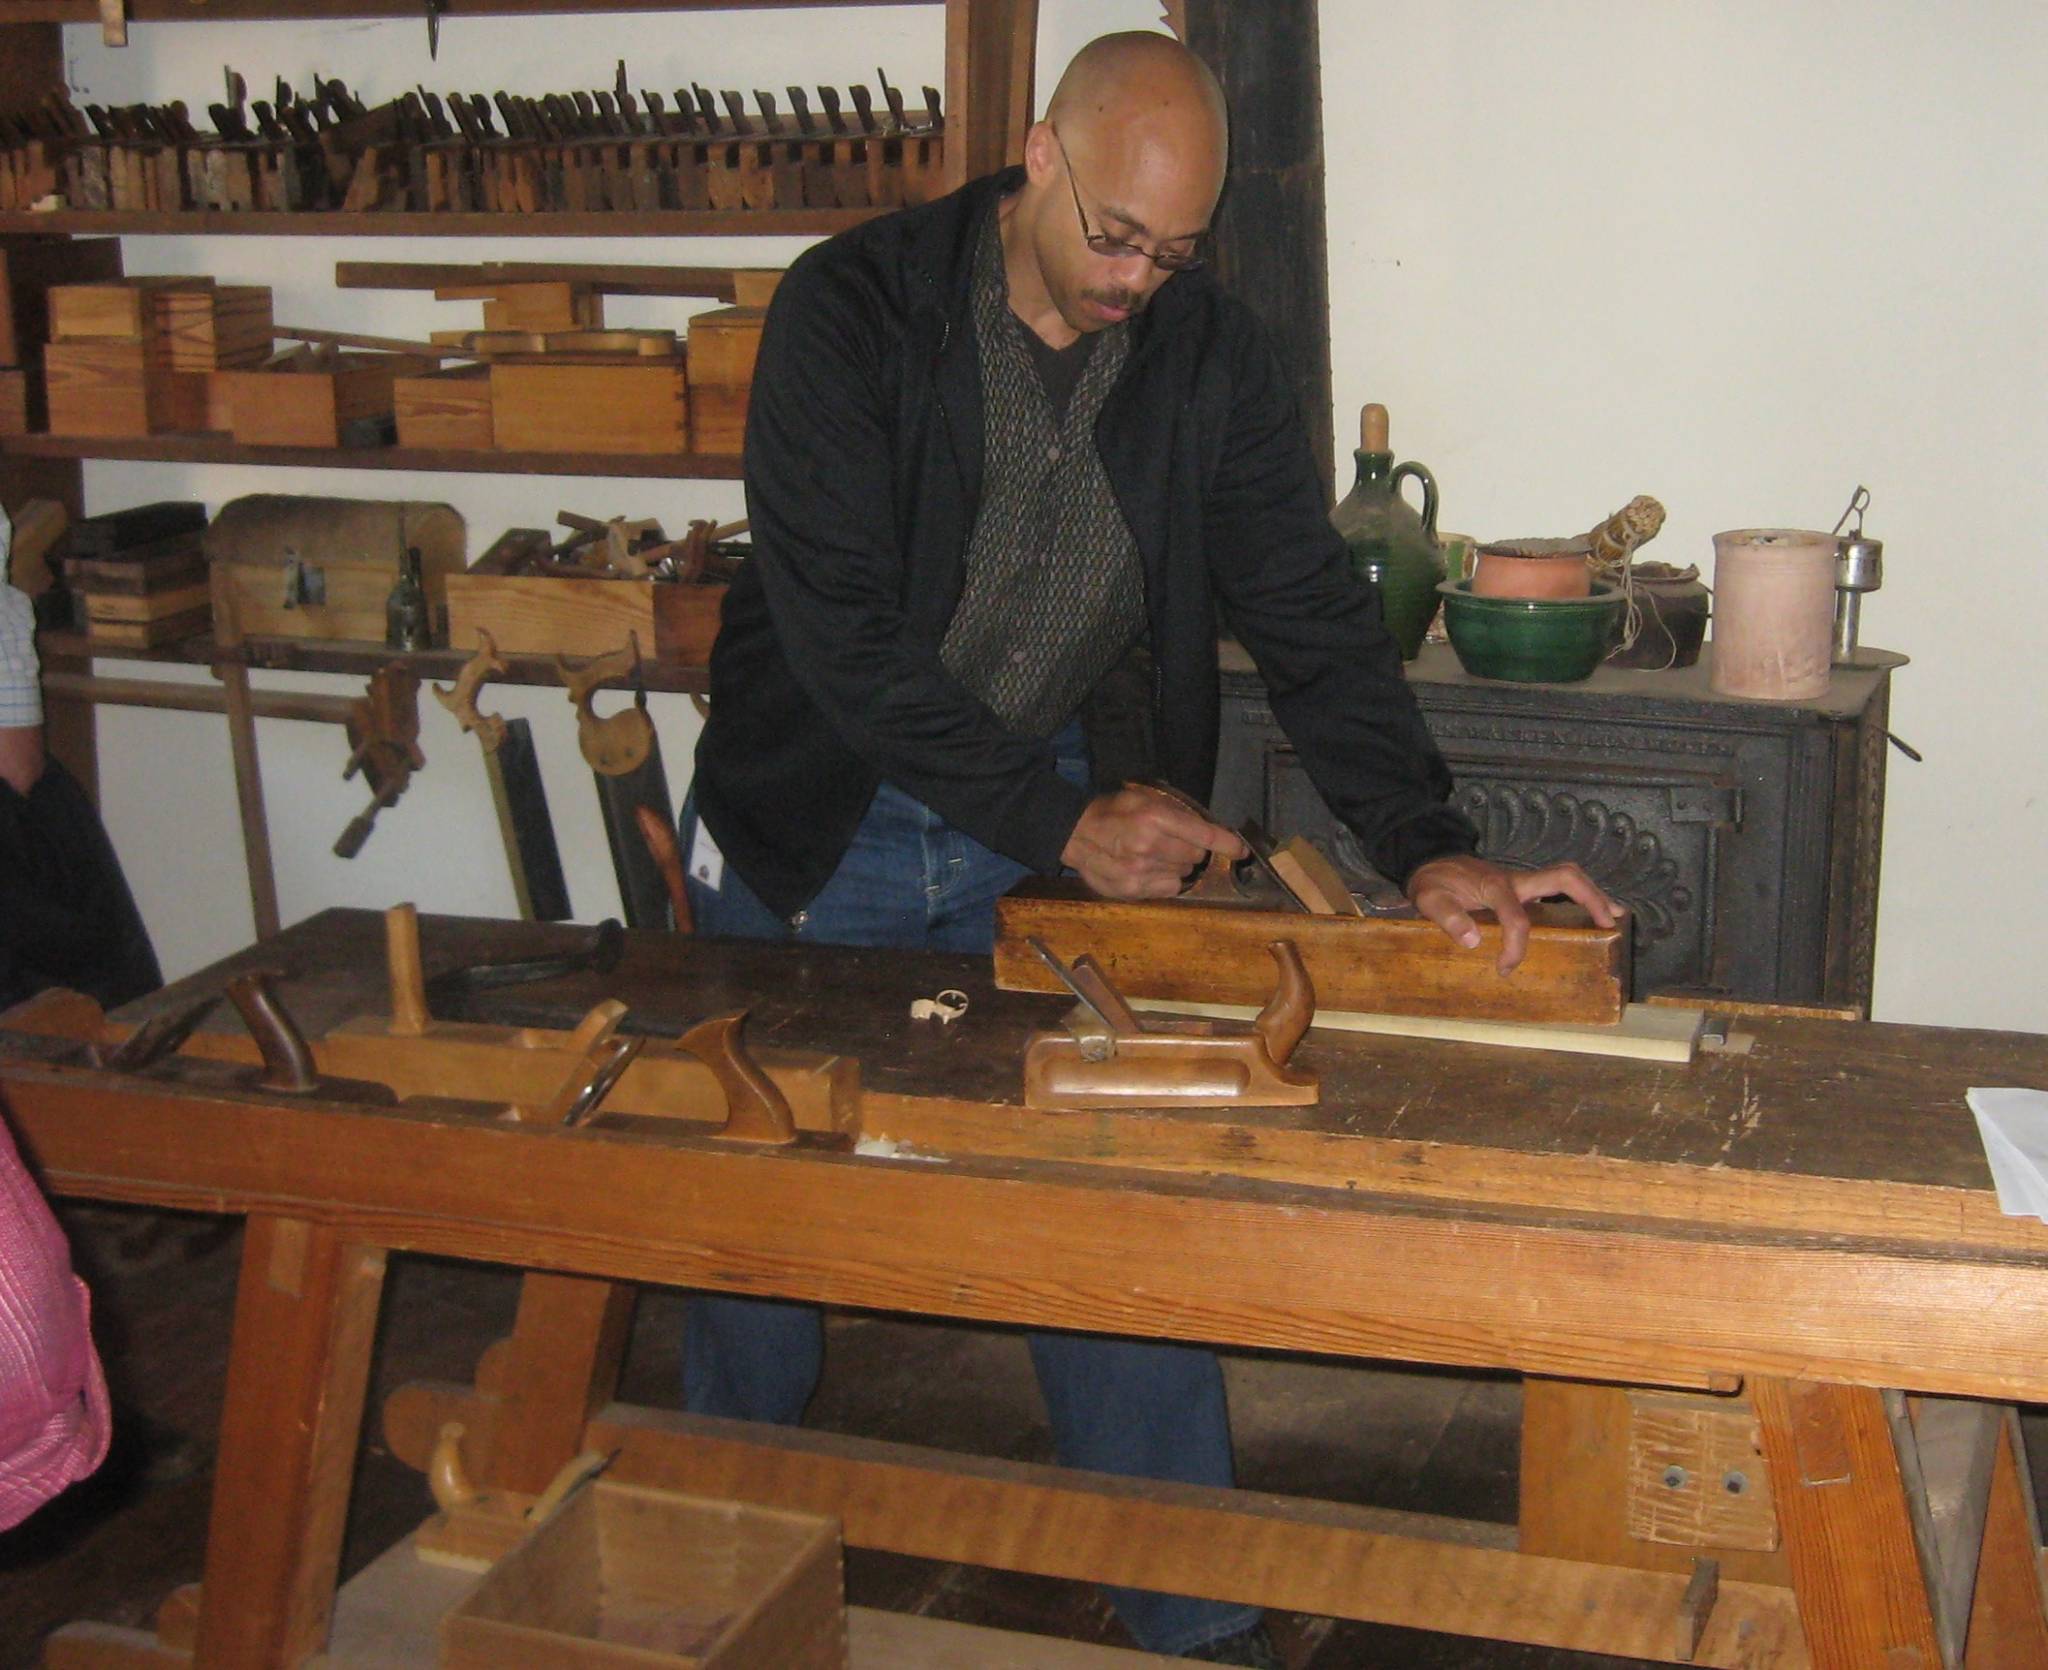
x: 560, y: 1367
x: 305, y: 1321
x: 1848, y: 1532
x: 2008, y: 1614
x: 234, y: 679
x: 1271, y: 244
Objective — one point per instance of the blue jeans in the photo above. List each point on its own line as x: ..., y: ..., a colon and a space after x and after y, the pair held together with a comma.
x: 1134, y: 1407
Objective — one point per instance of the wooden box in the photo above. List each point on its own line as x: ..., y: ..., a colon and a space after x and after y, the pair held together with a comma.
x: 545, y: 614
x: 110, y: 388
x: 323, y: 568
x: 121, y: 311
x: 310, y: 408
x: 450, y: 410
x: 724, y: 344
x: 29, y: 266
x: 215, y: 329
x: 628, y: 1578
x: 638, y: 408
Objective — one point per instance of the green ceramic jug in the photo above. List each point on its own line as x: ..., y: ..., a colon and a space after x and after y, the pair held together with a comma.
x: 1390, y: 545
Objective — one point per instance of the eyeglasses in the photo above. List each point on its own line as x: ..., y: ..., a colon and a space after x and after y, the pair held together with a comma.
x: 1119, y: 249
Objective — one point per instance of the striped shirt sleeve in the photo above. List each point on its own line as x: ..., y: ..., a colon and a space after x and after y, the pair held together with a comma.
x: 21, y: 687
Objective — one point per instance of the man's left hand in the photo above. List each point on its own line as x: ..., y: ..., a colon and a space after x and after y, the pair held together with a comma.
x: 1448, y: 890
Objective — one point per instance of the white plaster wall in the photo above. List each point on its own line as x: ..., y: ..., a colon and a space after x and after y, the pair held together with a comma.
x: 1738, y: 255
x: 1742, y: 255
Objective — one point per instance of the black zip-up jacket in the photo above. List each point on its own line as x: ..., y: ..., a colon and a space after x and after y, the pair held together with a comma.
x: 864, y: 472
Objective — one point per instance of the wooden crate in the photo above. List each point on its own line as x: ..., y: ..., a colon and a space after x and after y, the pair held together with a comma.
x: 724, y: 344
x: 446, y: 409
x: 545, y: 614
x: 214, y: 329
x: 29, y: 267
x: 309, y: 408
x: 123, y: 310
x: 637, y: 408
x: 109, y: 388
x: 630, y: 1578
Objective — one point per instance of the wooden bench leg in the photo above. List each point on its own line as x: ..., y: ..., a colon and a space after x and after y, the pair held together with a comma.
x: 1577, y: 1488
x: 1848, y: 1531
x: 559, y: 1368
x: 305, y: 1320
x: 2008, y: 1616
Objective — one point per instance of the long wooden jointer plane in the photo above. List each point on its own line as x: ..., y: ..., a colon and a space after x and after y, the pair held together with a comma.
x: 1770, y: 1315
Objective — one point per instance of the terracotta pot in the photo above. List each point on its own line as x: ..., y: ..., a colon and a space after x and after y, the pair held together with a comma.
x: 1511, y: 573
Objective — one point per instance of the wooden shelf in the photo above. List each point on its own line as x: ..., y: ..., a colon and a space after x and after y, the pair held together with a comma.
x: 618, y: 223
x: 218, y: 449
x: 298, y: 11
x: 316, y: 655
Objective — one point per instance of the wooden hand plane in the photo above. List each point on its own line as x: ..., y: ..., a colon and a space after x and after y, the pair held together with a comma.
x: 1106, y: 1058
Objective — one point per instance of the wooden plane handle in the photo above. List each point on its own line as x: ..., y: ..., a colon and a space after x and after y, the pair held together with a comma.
x: 755, y: 1110
x: 409, y: 1016
x: 1292, y: 1006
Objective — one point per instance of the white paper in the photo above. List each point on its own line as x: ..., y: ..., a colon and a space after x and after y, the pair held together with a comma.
x: 2013, y: 1125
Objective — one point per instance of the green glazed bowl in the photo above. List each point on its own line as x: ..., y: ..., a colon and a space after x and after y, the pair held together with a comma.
x: 1530, y: 640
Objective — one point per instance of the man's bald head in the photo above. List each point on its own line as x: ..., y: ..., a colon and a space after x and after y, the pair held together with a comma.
x: 1143, y: 90
x: 1129, y: 159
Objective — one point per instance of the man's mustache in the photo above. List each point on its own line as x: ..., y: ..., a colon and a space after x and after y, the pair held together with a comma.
x: 1124, y: 301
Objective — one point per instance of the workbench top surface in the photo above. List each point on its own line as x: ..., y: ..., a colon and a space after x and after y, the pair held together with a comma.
x: 1823, y: 1099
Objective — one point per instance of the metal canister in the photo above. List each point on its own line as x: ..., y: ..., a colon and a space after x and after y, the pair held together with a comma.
x: 1859, y: 567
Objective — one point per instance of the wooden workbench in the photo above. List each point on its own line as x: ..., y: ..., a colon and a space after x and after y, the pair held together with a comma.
x: 1810, y: 1222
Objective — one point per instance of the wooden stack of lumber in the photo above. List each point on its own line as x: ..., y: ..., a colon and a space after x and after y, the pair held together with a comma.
x: 140, y: 575
x: 315, y: 396
x: 29, y: 267
x: 106, y: 369
x: 566, y: 387
x: 141, y: 356
x: 552, y: 378
x: 724, y: 343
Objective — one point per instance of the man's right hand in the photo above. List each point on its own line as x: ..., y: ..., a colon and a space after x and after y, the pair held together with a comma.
x: 1138, y: 844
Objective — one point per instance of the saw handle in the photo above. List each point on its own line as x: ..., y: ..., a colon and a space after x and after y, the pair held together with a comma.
x: 460, y: 699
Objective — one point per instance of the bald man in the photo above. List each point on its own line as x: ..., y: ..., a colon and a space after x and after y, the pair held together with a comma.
x: 1002, y: 446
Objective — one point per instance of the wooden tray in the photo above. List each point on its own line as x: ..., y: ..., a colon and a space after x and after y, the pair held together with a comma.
x: 629, y: 1578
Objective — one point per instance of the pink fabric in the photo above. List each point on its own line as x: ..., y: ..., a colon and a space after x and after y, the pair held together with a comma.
x: 53, y: 1395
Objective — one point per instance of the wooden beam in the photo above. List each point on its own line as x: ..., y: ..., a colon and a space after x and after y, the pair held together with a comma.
x: 1064, y: 1247
x: 610, y: 278
x: 101, y: 690
x: 1575, y: 1482
x: 1271, y: 241
x: 561, y: 1367
x: 305, y: 1320
x: 1848, y: 1532
x: 1258, y: 1145
x: 1413, y: 1570
x: 2008, y: 1612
